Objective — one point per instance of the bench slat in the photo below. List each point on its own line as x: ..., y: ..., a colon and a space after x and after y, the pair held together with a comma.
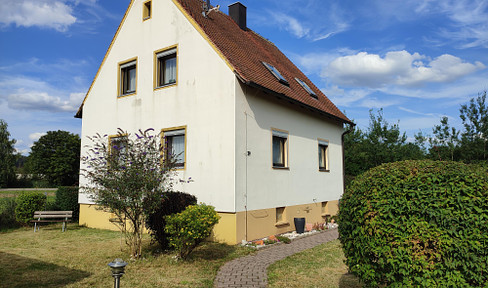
x: 53, y: 216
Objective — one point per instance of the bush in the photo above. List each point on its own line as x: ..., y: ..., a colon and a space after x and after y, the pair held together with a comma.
x: 7, y: 213
x: 27, y: 204
x: 190, y: 227
x: 171, y: 203
x: 67, y: 200
x: 417, y: 224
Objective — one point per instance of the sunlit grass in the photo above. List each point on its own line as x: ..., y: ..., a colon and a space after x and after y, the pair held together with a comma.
x: 79, y: 258
x: 322, y: 266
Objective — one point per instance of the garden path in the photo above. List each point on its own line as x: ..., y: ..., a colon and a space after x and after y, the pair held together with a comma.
x: 250, y: 271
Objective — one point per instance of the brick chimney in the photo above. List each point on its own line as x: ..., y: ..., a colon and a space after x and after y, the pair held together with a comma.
x: 238, y: 13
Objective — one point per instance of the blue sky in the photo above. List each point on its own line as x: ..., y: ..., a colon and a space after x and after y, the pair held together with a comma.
x: 418, y: 60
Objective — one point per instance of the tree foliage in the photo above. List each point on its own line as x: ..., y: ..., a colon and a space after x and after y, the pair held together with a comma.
x: 380, y: 143
x: 445, y: 142
x: 127, y: 177
x: 56, y: 158
x: 7, y: 156
x: 417, y: 224
x: 475, y: 121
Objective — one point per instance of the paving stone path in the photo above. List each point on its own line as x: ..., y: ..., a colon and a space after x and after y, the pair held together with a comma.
x: 250, y: 271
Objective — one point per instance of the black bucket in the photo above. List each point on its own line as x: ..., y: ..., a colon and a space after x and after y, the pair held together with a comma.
x: 299, y: 225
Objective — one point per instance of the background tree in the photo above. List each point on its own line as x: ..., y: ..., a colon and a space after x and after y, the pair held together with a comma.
x: 445, y: 142
x: 7, y: 156
x: 127, y: 176
x: 56, y: 158
x: 475, y: 121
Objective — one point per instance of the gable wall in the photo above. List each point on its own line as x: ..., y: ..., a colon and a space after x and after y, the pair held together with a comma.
x: 202, y: 100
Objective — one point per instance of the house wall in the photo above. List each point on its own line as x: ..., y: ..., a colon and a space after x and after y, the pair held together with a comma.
x: 202, y: 100
x: 301, y: 188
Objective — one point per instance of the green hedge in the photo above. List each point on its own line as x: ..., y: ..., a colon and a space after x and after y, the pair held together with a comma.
x: 190, y: 227
x: 171, y: 203
x: 27, y: 204
x: 67, y: 200
x: 417, y: 224
x: 7, y: 213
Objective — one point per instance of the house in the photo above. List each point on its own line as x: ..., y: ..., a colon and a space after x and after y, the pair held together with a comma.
x: 262, y: 143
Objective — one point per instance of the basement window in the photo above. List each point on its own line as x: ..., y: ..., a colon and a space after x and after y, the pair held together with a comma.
x: 146, y: 10
x: 307, y: 88
x: 276, y: 73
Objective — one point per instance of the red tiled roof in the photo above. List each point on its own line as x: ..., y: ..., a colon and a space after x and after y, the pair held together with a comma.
x: 246, y: 50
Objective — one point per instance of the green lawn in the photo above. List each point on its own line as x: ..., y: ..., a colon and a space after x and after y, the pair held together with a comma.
x: 79, y: 258
x: 322, y: 266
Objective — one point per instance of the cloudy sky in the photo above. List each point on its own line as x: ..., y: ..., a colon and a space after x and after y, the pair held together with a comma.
x: 419, y: 60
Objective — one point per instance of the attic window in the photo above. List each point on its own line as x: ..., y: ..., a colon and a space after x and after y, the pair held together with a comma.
x: 146, y: 10
x: 276, y: 73
x: 307, y: 88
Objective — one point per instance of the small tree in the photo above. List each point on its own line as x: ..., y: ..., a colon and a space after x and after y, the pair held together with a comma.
x: 127, y: 176
x: 7, y: 157
x: 56, y: 157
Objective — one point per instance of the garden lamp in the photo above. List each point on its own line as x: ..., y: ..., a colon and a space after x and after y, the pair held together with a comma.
x: 118, y: 268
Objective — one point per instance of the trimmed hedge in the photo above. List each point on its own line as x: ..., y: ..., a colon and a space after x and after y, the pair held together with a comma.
x: 189, y: 228
x: 171, y: 203
x: 27, y: 204
x: 417, y: 224
x: 7, y: 213
x: 67, y: 200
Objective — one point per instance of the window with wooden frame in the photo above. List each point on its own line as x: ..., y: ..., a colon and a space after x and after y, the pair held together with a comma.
x: 165, y: 64
x: 323, y: 155
x: 127, y: 77
x: 117, y: 150
x: 175, y: 146
x: 280, y: 148
x: 146, y: 10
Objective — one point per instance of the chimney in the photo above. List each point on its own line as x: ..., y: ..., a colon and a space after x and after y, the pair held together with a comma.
x: 237, y: 12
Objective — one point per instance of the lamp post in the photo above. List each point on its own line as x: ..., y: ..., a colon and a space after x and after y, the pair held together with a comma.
x: 118, y: 268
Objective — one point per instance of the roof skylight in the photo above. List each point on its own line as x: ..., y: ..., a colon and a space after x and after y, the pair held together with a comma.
x: 306, y: 87
x: 276, y: 73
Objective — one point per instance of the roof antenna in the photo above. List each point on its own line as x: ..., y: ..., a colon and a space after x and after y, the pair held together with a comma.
x: 206, y: 8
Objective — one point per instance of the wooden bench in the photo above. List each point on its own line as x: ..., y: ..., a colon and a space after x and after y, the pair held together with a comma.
x: 52, y: 216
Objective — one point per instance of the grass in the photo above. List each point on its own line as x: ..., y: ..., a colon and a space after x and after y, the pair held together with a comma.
x: 79, y: 258
x: 322, y: 266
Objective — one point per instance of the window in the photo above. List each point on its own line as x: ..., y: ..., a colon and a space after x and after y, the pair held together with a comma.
x: 280, y: 149
x: 165, y: 67
x: 276, y: 73
x: 128, y: 78
x: 280, y: 215
x: 146, y: 10
x: 307, y: 88
x: 117, y: 150
x: 175, y: 142
x: 323, y: 151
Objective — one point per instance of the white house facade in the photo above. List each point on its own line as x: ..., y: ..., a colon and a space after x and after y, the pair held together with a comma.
x: 261, y: 143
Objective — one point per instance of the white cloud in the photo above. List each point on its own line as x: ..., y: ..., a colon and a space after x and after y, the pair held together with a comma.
x: 397, y: 68
x: 35, y: 136
x: 42, y: 101
x: 42, y: 13
x: 291, y: 25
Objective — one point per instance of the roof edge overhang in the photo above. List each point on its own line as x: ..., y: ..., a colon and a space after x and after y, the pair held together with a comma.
x: 293, y: 101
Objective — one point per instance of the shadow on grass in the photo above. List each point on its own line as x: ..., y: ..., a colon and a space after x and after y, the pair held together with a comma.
x: 349, y: 281
x: 17, y: 271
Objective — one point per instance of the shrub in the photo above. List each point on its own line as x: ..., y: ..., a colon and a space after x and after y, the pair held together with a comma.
x: 27, y: 204
x: 7, y: 213
x: 417, y: 224
x: 190, y: 227
x: 171, y: 203
x: 67, y: 200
